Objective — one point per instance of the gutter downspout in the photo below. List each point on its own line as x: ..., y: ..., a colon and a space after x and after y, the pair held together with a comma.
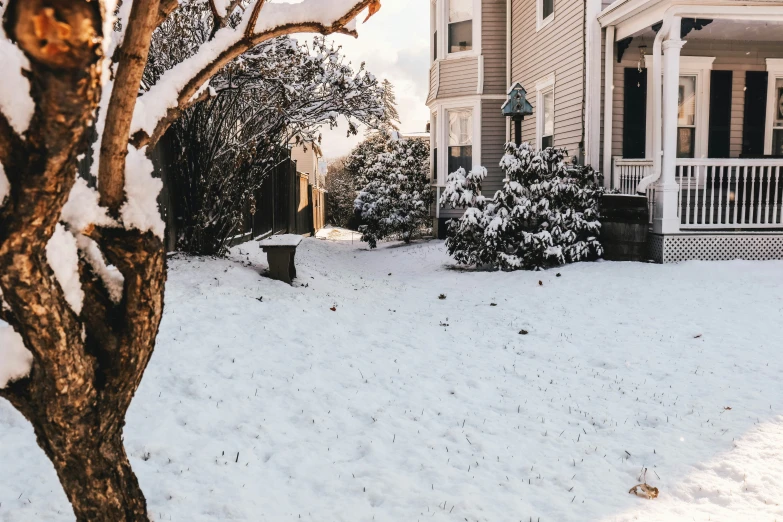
x: 657, y: 130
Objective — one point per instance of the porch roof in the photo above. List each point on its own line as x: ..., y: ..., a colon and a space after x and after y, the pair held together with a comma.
x: 631, y: 16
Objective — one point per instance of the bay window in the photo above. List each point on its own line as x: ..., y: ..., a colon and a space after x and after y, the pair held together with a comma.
x: 460, y: 139
x: 460, y: 26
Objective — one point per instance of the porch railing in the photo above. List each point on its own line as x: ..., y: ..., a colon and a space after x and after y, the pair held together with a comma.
x: 627, y: 173
x: 716, y: 193
x: 730, y: 193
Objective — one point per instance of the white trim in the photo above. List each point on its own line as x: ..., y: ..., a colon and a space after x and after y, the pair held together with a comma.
x: 543, y: 86
x: 775, y: 72
x: 608, y: 103
x: 636, y: 15
x: 592, y: 130
x: 699, y: 66
x: 542, y: 22
x: 480, y: 87
x: 545, y: 82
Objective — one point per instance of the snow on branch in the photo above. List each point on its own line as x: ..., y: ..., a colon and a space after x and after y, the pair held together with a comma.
x: 260, y: 21
x: 15, y: 101
x: 15, y: 359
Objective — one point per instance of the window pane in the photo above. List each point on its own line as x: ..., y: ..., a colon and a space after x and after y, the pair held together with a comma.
x: 547, y: 141
x: 686, y: 102
x: 460, y: 10
x: 779, y: 103
x: 685, y: 142
x: 549, y: 113
x: 461, y: 36
x: 435, y: 46
x: 460, y: 128
x: 547, y: 8
x: 777, y: 142
x: 460, y: 157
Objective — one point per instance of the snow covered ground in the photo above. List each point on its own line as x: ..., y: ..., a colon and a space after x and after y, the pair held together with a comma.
x: 358, y: 394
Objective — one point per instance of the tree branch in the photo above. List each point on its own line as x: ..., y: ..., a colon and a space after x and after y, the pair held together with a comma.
x: 132, y: 59
x: 140, y: 258
x: 251, y: 26
x: 141, y: 138
x: 165, y: 8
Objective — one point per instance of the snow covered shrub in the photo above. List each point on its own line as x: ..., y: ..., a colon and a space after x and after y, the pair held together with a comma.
x: 396, y: 198
x: 545, y: 215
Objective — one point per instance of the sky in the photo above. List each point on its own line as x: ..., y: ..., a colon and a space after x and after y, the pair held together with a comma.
x: 394, y: 45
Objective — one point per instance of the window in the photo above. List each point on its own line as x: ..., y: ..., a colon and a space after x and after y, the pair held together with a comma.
x: 434, y: 146
x: 686, y: 117
x: 460, y: 25
x: 434, y: 29
x: 777, y: 120
x: 545, y: 13
x: 545, y: 112
x: 548, y: 133
x: 460, y: 140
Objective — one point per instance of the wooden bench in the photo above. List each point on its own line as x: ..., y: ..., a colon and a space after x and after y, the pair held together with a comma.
x: 280, y: 251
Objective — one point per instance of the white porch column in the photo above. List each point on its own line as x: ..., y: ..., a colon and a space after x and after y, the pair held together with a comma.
x: 666, y: 220
x: 608, y: 105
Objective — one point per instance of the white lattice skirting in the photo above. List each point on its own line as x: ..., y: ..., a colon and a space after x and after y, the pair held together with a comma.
x: 715, y: 247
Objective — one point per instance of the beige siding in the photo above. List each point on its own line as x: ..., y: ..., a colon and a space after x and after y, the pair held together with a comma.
x: 558, y: 48
x: 433, y: 82
x: 493, y: 132
x: 458, y: 77
x: 493, y: 45
x: 729, y: 56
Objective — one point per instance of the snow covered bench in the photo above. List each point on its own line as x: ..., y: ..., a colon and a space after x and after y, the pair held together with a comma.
x: 280, y: 251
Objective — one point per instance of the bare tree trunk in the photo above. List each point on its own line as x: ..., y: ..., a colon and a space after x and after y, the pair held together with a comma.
x: 94, y: 472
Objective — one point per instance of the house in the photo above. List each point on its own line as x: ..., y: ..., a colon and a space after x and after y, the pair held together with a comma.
x: 699, y: 81
x: 307, y: 156
x: 312, y: 200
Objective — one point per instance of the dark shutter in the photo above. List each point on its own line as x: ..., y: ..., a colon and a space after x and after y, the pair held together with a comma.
x: 755, y: 113
x: 635, y: 113
x: 720, y: 114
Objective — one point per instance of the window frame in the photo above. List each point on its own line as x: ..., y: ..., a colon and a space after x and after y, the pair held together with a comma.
x: 542, y: 22
x: 449, y: 146
x: 544, y: 86
x: 774, y: 74
x: 440, y: 110
x: 442, y: 27
x: 434, y: 148
x: 695, y: 125
x: 700, y: 67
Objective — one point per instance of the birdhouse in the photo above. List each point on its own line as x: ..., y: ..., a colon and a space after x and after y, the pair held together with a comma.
x: 517, y: 106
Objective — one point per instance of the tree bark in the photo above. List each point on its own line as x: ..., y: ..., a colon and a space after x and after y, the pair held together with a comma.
x: 95, y: 473
x: 87, y: 365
